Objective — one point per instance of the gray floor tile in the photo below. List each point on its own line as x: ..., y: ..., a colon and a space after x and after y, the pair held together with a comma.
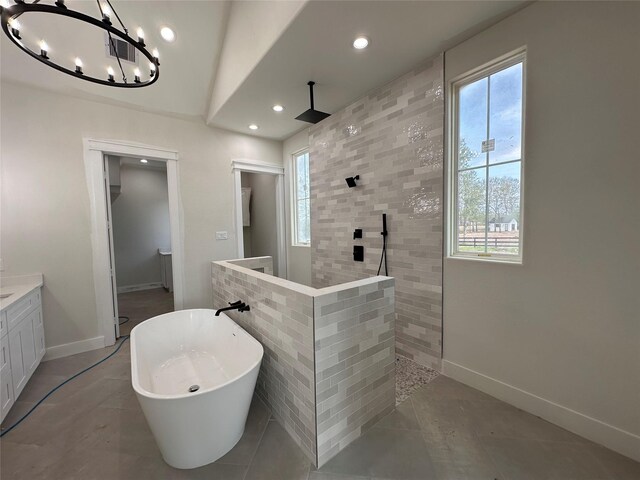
x: 503, y: 420
x: 213, y: 471
x: 402, y: 418
x: 456, y: 457
x: 39, y: 385
x: 442, y: 416
x: 445, y: 387
x: 85, y: 463
x: 18, y: 409
x: 254, y: 429
x: 32, y: 462
x: 115, y: 430
x: 617, y: 466
x: 385, y: 453
x: 278, y: 457
x: 528, y: 459
x: 334, y: 476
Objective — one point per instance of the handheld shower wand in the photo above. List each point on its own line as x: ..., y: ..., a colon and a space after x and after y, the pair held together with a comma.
x: 383, y: 256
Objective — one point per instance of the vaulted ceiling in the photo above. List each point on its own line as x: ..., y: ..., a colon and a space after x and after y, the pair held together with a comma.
x: 232, y: 61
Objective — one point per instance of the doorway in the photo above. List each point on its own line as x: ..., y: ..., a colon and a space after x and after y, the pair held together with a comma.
x: 141, y: 232
x: 97, y: 155
x: 259, y: 212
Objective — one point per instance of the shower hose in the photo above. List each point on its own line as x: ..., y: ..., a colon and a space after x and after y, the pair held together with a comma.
x: 7, y: 430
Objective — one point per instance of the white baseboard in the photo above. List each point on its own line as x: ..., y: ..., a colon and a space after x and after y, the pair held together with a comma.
x: 142, y: 286
x: 612, y: 437
x: 72, y: 348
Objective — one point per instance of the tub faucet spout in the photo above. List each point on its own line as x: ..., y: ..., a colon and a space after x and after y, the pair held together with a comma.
x: 239, y: 305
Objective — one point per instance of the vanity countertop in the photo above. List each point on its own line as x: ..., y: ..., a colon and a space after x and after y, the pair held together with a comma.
x: 17, y: 287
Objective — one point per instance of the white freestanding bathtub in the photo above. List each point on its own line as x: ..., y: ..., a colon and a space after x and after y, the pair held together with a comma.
x: 194, y: 376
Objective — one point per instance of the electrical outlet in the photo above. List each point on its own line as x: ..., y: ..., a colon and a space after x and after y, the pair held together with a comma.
x: 222, y: 235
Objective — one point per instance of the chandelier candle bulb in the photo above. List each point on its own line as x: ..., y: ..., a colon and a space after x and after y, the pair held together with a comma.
x: 110, y: 74
x: 136, y: 72
x: 106, y: 14
x: 44, y: 49
x: 78, y: 65
x: 156, y: 56
x: 152, y: 68
x: 140, y: 34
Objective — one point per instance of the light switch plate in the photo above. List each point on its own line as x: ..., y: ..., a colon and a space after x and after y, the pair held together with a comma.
x: 222, y: 235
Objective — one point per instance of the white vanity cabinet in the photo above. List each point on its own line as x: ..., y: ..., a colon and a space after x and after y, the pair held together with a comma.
x: 7, y: 396
x: 21, y: 344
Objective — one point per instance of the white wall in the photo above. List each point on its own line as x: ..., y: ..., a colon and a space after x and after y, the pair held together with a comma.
x: 298, y: 258
x: 261, y: 238
x: 140, y: 224
x: 560, y: 335
x: 45, y: 205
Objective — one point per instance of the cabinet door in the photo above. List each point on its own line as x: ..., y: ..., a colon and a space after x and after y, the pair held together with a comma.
x: 6, y: 382
x: 38, y: 328
x: 22, y: 349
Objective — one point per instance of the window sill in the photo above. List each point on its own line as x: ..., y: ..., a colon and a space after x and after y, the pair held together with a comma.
x: 491, y: 259
x: 301, y: 245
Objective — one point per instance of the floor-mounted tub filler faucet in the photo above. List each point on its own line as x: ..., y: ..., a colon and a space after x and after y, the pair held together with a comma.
x: 239, y: 305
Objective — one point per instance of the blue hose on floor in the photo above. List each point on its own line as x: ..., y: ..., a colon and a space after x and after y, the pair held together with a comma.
x: 4, y: 432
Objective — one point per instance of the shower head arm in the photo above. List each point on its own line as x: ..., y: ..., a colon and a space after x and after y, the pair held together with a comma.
x: 311, y: 84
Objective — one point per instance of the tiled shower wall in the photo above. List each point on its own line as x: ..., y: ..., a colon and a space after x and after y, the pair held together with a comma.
x: 282, y: 321
x: 328, y: 371
x: 355, y: 361
x: 393, y: 139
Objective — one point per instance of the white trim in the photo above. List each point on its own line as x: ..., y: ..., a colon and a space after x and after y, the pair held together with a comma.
x: 94, y: 151
x: 73, y: 348
x: 255, y: 166
x: 139, y: 287
x: 612, y: 437
x: 453, y: 86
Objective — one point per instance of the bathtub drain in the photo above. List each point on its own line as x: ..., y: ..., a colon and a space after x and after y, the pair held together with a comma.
x: 194, y: 388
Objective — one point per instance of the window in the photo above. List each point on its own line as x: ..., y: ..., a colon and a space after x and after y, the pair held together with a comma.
x: 487, y: 160
x: 301, y: 203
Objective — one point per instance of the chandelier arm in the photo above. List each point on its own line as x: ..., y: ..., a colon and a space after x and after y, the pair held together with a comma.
x: 124, y: 77
x: 113, y: 46
x: 118, y: 17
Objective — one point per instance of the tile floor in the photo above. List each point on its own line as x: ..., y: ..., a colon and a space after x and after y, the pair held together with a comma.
x: 139, y: 306
x: 93, y: 428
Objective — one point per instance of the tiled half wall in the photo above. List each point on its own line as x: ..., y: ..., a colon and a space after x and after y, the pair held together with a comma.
x: 328, y: 370
x: 393, y: 139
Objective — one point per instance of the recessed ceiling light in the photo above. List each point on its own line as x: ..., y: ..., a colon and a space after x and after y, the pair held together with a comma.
x: 360, y: 43
x: 168, y: 34
x: 144, y: 160
x: 253, y: 126
x: 278, y: 108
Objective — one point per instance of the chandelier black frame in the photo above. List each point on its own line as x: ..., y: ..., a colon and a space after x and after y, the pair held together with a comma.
x: 59, y: 8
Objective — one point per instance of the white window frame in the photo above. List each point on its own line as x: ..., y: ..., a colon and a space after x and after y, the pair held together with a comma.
x: 501, y: 63
x: 294, y: 198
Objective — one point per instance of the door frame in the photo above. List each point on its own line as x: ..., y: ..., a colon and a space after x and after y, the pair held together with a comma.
x: 255, y: 166
x: 95, y: 151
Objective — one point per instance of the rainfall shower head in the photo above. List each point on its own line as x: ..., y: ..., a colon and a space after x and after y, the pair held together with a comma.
x: 351, y: 181
x: 312, y: 115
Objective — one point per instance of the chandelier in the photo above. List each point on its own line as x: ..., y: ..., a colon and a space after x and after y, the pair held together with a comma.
x: 12, y: 27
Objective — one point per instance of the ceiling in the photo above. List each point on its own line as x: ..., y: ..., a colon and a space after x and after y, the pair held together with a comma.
x: 317, y: 46
x: 187, y: 66
x: 310, y: 42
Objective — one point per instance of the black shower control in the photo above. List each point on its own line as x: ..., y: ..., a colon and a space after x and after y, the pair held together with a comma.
x: 358, y: 253
x: 357, y: 233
